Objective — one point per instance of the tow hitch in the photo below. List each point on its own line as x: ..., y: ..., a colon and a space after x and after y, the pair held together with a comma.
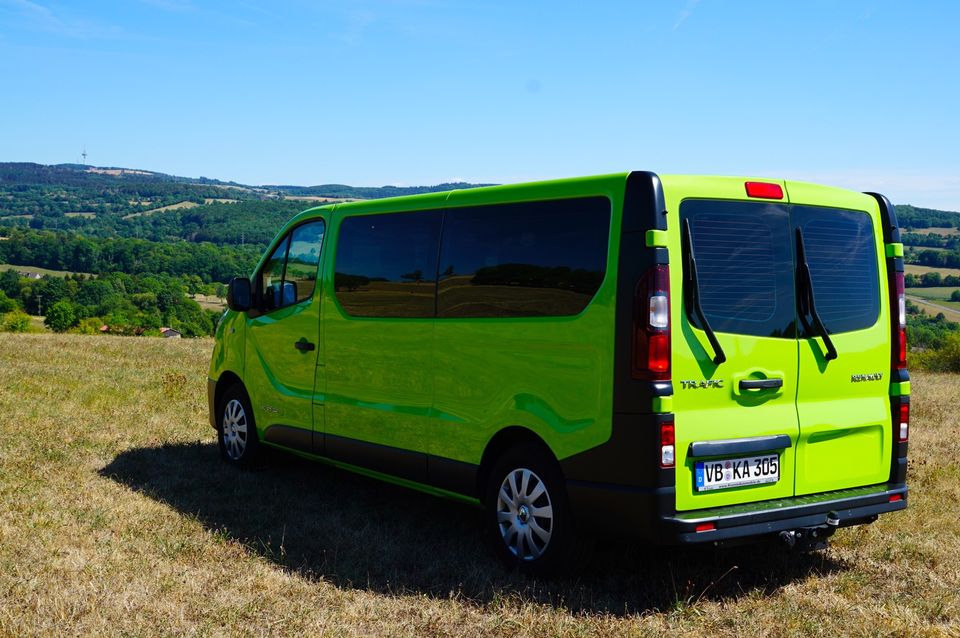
x: 809, y: 539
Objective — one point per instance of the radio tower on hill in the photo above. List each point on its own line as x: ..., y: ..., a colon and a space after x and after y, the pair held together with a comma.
x: 84, y: 155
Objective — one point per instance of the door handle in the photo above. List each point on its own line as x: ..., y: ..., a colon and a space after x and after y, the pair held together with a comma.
x: 760, y: 384
x: 304, y: 346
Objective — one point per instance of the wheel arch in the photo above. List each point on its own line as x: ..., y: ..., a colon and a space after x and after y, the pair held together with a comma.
x: 227, y: 380
x: 502, y: 441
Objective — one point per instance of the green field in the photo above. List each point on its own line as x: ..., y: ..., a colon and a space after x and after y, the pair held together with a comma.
x: 937, y: 292
x: 119, y: 519
x: 950, y: 309
x: 936, y: 300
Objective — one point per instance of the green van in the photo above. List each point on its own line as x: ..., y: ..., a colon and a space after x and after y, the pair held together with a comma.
x: 675, y: 358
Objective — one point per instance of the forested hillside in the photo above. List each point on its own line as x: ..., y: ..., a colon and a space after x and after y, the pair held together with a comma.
x: 130, y: 250
x: 119, y: 202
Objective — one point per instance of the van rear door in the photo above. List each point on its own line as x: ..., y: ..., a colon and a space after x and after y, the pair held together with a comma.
x: 842, y: 402
x: 736, y: 417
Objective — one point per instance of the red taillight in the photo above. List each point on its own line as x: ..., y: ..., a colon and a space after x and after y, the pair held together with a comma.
x: 896, y: 497
x: 899, y: 319
x: 764, y: 190
x: 651, y: 325
x: 706, y: 527
x: 667, y: 445
x: 903, y: 424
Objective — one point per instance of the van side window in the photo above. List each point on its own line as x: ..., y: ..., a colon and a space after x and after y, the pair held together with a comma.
x: 289, y: 276
x: 387, y: 264
x: 303, y: 260
x: 841, y: 250
x: 744, y: 266
x: 271, y: 277
x: 543, y: 258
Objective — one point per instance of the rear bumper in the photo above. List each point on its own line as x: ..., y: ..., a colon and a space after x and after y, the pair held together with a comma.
x: 648, y: 512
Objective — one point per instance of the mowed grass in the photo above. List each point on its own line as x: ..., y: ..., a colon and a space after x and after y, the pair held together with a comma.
x: 119, y: 519
x: 40, y: 271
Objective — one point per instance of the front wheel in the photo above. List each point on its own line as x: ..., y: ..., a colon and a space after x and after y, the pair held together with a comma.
x: 237, y: 433
x: 528, y: 516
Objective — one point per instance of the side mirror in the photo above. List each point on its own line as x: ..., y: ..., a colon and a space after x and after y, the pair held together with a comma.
x: 239, y: 294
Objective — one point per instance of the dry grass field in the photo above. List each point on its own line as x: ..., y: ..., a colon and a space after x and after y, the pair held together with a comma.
x: 943, y: 232
x: 917, y: 269
x: 41, y: 271
x: 117, y: 518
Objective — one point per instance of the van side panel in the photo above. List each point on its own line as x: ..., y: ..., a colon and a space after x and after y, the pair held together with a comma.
x: 550, y: 375
x: 628, y: 457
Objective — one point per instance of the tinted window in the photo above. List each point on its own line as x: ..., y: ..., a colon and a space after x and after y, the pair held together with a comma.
x: 303, y: 260
x: 387, y: 264
x: 841, y: 250
x: 289, y: 276
x: 271, y: 277
x: 744, y: 265
x: 521, y: 260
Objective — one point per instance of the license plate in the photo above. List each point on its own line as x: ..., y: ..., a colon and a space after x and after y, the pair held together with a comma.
x: 754, y: 470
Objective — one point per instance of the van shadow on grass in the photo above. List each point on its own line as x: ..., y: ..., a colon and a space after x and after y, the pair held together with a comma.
x: 320, y: 522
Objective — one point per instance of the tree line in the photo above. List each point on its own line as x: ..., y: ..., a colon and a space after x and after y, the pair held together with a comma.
x: 122, y: 303
x: 98, y: 255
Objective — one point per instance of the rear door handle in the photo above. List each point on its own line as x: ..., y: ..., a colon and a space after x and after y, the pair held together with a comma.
x: 760, y: 384
x: 304, y: 346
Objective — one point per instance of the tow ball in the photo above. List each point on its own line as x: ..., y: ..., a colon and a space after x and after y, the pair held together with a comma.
x: 809, y: 539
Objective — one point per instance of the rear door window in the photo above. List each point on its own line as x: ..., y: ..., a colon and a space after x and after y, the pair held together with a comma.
x: 841, y: 251
x: 745, y: 266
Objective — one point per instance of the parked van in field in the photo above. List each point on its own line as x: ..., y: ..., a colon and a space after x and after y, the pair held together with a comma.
x: 682, y: 359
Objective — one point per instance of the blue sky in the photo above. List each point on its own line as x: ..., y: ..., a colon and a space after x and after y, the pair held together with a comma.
x: 856, y: 94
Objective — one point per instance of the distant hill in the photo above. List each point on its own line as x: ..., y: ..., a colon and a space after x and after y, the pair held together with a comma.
x: 367, y: 192
x: 103, y: 201
x: 913, y: 217
x: 137, y: 180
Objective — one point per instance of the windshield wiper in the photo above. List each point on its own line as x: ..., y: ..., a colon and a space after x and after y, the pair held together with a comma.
x: 691, y: 289
x: 808, y: 305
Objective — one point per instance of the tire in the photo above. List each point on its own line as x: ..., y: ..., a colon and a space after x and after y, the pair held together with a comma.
x: 236, y: 429
x: 527, y: 515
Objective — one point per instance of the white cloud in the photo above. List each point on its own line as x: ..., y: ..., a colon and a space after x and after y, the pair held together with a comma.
x: 685, y: 13
x: 38, y: 17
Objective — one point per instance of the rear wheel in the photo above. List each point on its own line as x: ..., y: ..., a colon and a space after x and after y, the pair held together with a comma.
x: 528, y: 517
x: 237, y: 433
